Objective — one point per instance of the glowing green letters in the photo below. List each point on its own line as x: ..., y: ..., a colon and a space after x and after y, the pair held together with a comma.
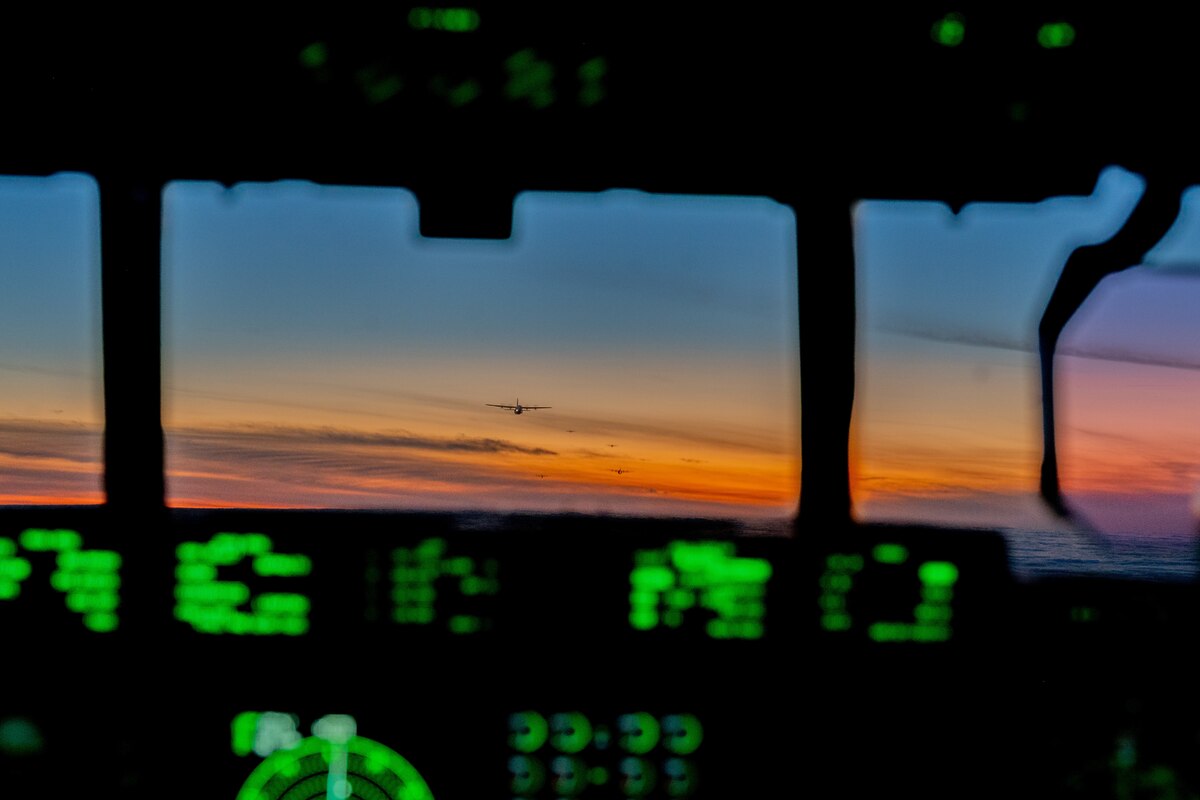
x: 664, y: 584
x: 216, y: 606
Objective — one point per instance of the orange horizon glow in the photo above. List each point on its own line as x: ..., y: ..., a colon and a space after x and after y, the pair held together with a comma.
x: 380, y: 474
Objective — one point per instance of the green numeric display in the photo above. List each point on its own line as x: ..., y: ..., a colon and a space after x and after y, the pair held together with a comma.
x: 215, y: 606
x: 931, y: 615
x: 666, y: 584
x: 90, y: 579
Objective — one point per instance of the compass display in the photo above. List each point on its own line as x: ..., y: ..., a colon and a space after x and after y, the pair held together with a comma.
x: 337, y: 764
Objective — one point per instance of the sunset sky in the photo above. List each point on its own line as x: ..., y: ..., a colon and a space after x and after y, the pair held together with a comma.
x: 948, y: 415
x: 51, y: 405
x: 319, y: 353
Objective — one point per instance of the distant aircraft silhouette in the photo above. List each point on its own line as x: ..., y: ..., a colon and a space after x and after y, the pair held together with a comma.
x: 518, y: 408
x: 619, y: 470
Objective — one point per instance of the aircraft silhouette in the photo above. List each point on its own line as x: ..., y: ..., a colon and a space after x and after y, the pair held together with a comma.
x: 517, y: 409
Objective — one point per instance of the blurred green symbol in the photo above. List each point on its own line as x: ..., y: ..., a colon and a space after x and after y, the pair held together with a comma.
x: 638, y: 777
x: 19, y: 737
x: 378, y: 86
x: 1054, y: 35
x: 529, y: 78
x: 452, y: 20
x: 570, y: 776
x: 527, y: 731
x: 591, y: 80
x: 570, y: 732
x: 528, y: 775
x: 890, y: 553
x: 639, y: 732
x: 314, y: 56
x: 682, y: 733
x: 950, y: 30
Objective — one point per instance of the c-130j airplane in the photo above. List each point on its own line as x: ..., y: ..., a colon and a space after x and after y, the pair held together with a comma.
x: 518, y: 408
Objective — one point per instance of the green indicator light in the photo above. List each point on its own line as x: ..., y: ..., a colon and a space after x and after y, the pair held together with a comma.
x: 226, y: 593
x: 931, y: 633
x: 643, y: 599
x: 19, y: 737
x: 43, y: 540
x: 949, y: 30
x: 528, y: 731
x: 95, y: 601
x: 72, y: 581
x: 100, y: 622
x: 464, y: 624
x: 650, y: 558
x: 9, y: 590
x: 835, y: 582
x: 281, y: 565
x: 281, y: 604
x: 643, y: 619
x: 1054, y: 35
x: 835, y: 622
x: 318, y: 768
x: 452, y: 20
x: 718, y: 629
x: 750, y: 629
x: 890, y: 553
x: 8, y: 548
x: 593, y: 69
x: 844, y: 562
x: 652, y: 579
x: 420, y: 18
x: 639, y: 733
x: 242, y: 732
x: 938, y: 573
x: 890, y: 631
x: 1083, y: 614
x: 431, y: 549
x: 378, y: 88
x: 681, y: 599
x: 570, y: 732
x: 697, y: 556
x: 928, y: 612
x: 89, y: 561
x: 195, y: 573
x: 597, y: 776
x: 314, y: 56
x: 458, y: 566
x: 591, y: 73
x: 14, y: 569
x: 937, y: 594
x: 190, y: 552
x: 529, y: 79
x: 749, y: 570
x: 682, y: 733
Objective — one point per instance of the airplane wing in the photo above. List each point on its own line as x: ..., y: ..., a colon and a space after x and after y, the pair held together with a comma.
x: 530, y: 407
x: 497, y: 405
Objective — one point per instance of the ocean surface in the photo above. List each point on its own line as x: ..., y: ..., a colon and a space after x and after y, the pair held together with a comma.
x: 1035, y: 554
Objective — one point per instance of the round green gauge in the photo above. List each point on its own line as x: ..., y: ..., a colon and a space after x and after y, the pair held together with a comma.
x: 317, y: 769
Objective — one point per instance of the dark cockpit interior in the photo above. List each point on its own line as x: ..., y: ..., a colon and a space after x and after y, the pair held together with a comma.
x: 854, y: 360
